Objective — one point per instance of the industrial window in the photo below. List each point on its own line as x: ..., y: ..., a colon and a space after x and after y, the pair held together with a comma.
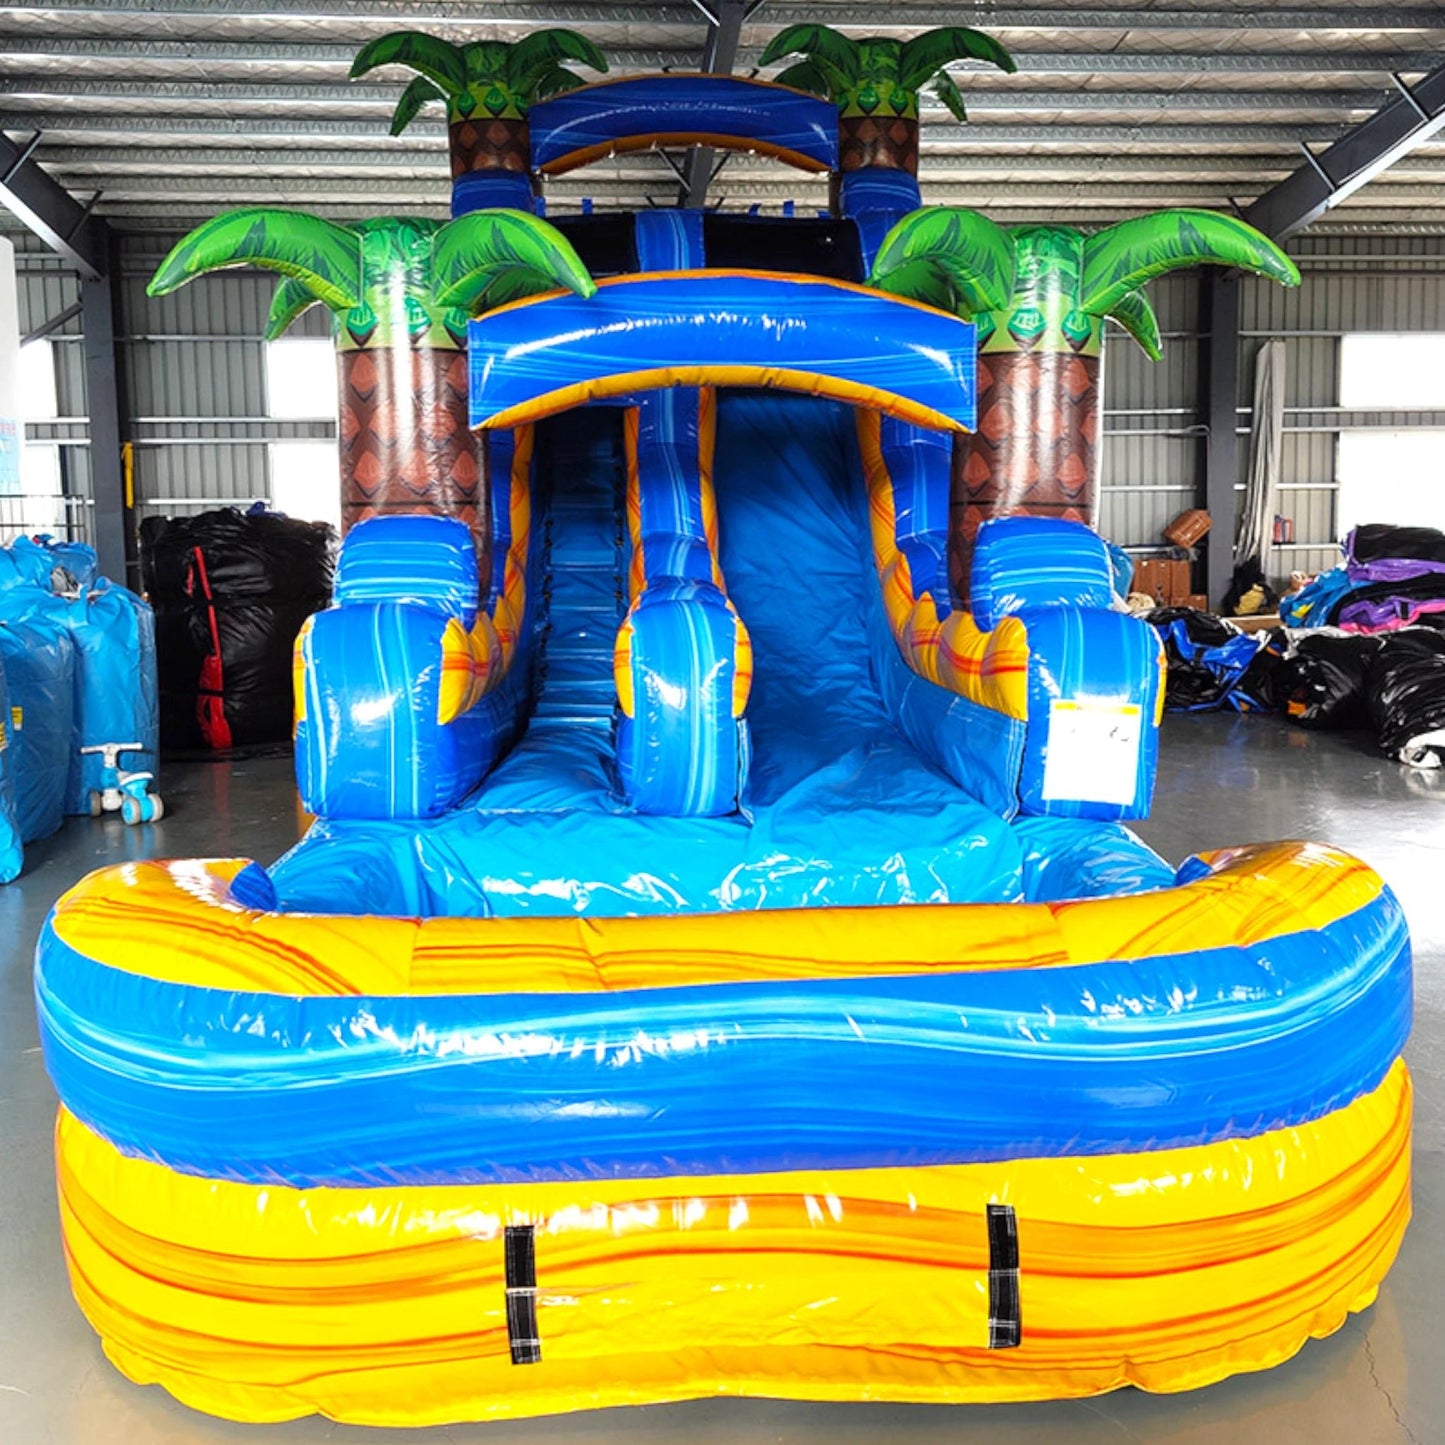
x: 301, y: 378
x: 39, y: 508
x: 304, y: 481
x: 37, y: 382
x: 1388, y: 475
x: 301, y: 387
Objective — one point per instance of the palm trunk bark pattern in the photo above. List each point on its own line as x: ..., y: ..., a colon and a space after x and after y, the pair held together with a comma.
x: 1035, y: 452
x: 887, y: 141
x: 405, y: 446
x: 489, y: 144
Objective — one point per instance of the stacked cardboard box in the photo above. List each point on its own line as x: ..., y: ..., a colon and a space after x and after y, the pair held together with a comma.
x: 1165, y: 577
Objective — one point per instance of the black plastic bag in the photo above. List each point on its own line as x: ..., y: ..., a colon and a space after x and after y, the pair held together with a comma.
x: 1324, y: 682
x: 1407, y: 696
x: 230, y: 591
x: 1376, y: 541
x: 1212, y: 663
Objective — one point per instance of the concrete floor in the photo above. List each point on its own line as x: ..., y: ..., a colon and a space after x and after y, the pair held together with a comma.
x: 1223, y: 780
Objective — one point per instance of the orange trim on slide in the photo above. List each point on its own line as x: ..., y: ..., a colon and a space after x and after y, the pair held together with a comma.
x: 706, y: 447
x: 989, y: 668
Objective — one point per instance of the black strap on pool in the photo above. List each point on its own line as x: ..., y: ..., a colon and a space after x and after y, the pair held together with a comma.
x: 521, y: 1256
x: 1005, y: 1323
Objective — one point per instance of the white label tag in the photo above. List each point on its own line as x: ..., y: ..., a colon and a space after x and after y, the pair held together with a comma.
x: 1092, y: 755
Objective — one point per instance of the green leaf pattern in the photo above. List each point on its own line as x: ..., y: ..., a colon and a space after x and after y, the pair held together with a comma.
x: 323, y: 255
x: 489, y: 257
x: 1124, y: 257
x: 492, y: 77
x: 408, y: 278
x: 292, y: 298
x: 1050, y: 287
x: 946, y: 255
x: 877, y: 75
x: 1134, y: 313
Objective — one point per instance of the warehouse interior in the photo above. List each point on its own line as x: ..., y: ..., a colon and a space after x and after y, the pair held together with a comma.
x: 1322, y: 126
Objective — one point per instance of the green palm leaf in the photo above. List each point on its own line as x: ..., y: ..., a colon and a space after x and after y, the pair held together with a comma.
x: 1134, y: 313
x: 429, y: 55
x: 880, y: 60
x: 807, y: 75
x: 323, y: 256
x: 927, y: 54
x: 948, y: 92
x: 835, y: 52
x: 486, y: 258
x: 530, y: 59
x: 947, y: 256
x: 555, y: 81
x: 486, y: 61
x: 416, y: 95
x: 291, y: 299
x: 1122, y: 258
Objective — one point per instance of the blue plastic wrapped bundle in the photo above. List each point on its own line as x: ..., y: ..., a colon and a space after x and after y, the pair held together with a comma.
x: 114, y: 633
x: 112, y: 723
x: 52, y: 566
x: 39, y: 661
x: 11, y: 857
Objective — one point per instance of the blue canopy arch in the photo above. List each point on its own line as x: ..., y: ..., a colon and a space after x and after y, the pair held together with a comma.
x: 725, y: 112
x: 722, y: 328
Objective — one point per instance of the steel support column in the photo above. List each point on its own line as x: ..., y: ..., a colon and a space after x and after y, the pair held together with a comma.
x: 725, y: 24
x: 1219, y: 368
x: 112, y: 530
x: 69, y: 229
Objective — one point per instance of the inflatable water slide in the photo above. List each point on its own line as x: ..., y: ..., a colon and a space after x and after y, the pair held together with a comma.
x: 720, y: 962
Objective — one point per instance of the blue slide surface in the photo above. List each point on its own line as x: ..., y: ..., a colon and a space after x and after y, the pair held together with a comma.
x: 839, y: 808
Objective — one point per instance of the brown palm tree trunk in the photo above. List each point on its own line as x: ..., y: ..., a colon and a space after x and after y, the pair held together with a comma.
x: 489, y: 144
x: 886, y: 141
x: 866, y: 142
x: 1035, y: 452
x: 404, y: 442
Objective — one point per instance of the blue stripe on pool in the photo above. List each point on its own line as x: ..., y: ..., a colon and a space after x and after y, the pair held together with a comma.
x: 738, y: 1078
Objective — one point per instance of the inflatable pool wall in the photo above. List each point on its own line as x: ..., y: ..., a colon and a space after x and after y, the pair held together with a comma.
x: 719, y: 965
x: 370, y: 1166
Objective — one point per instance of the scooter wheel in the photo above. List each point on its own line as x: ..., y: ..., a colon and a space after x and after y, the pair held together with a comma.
x: 158, y: 807
x: 130, y: 810
x: 97, y: 803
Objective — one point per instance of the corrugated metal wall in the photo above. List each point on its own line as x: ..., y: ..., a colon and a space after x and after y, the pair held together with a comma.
x: 1153, y: 440
x: 194, y: 368
x: 47, y: 288
x: 1153, y: 445
x: 194, y: 376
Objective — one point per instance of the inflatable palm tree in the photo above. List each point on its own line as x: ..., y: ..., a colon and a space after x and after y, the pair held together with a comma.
x: 1039, y: 296
x: 400, y: 293
x: 488, y: 88
x: 875, y: 83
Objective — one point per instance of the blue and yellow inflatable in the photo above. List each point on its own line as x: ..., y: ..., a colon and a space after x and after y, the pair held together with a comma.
x: 720, y: 963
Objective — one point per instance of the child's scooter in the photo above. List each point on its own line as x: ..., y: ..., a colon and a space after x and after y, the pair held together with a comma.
x: 121, y: 791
